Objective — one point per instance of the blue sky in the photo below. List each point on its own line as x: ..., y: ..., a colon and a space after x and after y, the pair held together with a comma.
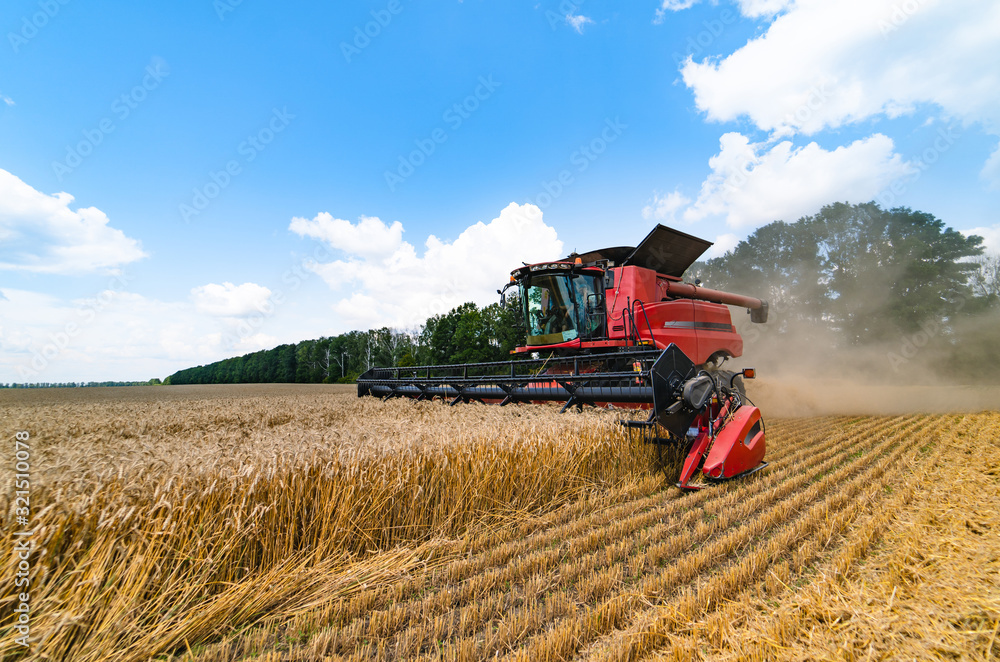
x: 184, y: 182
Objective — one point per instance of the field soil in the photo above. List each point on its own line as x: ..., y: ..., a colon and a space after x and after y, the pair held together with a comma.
x: 300, y: 523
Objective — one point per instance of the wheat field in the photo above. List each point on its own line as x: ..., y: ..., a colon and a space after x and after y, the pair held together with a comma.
x: 301, y: 523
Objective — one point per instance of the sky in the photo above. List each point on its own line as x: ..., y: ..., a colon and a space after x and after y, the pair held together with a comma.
x: 183, y: 182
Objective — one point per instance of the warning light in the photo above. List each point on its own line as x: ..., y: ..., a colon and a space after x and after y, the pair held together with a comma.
x: 749, y: 373
x: 578, y: 261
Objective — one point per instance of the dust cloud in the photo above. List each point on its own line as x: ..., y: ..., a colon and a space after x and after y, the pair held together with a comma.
x: 793, y: 397
x: 805, y: 370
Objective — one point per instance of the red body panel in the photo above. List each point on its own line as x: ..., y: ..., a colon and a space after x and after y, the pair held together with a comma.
x: 738, y: 447
x: 716, y: 332
x: 699, y: 328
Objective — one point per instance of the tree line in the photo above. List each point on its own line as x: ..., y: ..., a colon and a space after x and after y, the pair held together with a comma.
x: 152, y: 382
x: 858, y: 277
x: 466, y: 334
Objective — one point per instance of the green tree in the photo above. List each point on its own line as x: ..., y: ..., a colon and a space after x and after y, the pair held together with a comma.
x: 985, y: 280
x: 506, y: 330
x: 864, y: 272
x: 889, y: 271
x: 779, y: 262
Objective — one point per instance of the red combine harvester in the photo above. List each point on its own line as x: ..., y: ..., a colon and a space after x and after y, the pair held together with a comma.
x: 618, y: 326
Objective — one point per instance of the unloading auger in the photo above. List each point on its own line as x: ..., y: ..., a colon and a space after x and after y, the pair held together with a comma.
x: 619, y: 327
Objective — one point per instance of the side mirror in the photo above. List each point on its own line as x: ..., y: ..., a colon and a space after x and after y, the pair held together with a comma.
x: 593, y: 304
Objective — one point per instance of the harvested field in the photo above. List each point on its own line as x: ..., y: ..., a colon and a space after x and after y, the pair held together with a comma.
x: 298, y: 523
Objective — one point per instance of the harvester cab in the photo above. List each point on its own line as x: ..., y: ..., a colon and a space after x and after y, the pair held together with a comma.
x: 630, y: 296
x: 618, y: 327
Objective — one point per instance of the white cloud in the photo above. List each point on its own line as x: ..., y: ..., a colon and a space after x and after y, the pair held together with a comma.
x: 370, y: 237
x: 758, y: 8
x: 991, y: 171
x: 722, y: 245
x: 257, y: 342
x: 363, y: 310
x: 990, y: 235
x: 228, y: 300
x: 751, y: 185
x: 665, y: 207
x: 672, y: 5
x: 578, y: 21
x: 115, y: 334
x: 403, y: 289
x: 41, y: 234
x: 826, y: 64
x: 6, y: 99
x: 749, y: 8
x: 121, y: 335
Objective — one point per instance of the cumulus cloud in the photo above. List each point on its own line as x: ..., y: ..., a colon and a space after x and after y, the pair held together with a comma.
x: 401, y: 288
x: 578, y: 21
x: 991, y: 171
x: 749, y: 8
x: 41, y: 234
x: 751, y: 184
x: 665, y: 207
x: 114, y: 334
x: 990, y: 235
x: 119, y: 334
x: 256, y: 342
x: 722, y: 245
x: 369, y: 237
x: 825, y: 64
x: 672, y: 5
x: 817, y: 66
x: 228, y: 300
x: 758, y: 8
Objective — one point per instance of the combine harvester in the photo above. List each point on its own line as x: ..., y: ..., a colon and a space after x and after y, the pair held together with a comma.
x: 617, y: 326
